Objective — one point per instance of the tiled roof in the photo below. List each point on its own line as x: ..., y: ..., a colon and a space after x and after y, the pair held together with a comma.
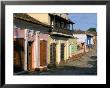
x: 59, y: 17
x: 79, y: 32
x: 93, y: 33
x: 85, y: 32
x: 26, y: 17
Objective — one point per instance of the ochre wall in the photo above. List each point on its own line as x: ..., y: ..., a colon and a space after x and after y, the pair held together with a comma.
x: 42, y: 17
x: 58, y: 46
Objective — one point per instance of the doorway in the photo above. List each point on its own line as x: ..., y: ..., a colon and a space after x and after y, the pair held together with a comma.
x: 53, y: 55
x: 18, y: 46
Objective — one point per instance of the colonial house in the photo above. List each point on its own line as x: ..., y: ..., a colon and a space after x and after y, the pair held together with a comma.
x: 81, y: 41
x: 30, y: 43
x: 93, y: 37
x: 90, y: 40
x: 72, y: 47
x: 61, y: 43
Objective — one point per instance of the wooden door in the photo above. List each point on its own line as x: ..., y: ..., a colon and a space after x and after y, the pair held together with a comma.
x: 62, y: 51
x: 43, y: 52
x: 18, y: 54
x: 53, y: 54
x: 29, y: 55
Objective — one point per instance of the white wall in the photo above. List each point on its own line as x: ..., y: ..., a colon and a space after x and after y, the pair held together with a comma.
x: 81, y: 37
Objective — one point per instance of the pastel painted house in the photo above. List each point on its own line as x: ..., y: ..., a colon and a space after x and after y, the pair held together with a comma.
x: 30, y: 43
x: 60, y: 35
x: 81, y: 41
x: 72, y: 47
x: 94, y: 37
x: 58, y: 41
x: 90, y: 40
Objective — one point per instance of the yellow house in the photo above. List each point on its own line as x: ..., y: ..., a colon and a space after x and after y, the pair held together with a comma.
x: 60, y: 42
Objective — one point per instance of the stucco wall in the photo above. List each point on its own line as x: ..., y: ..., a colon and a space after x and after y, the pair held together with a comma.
x: 69, y: 49
x: 72, y: 46
x: 58, y: 42
x: 42, y: 17
x: 81, y: 37
x: 26, y: 25
x: 48, y: 46
x: 24, y: 31
x: 18, y: 33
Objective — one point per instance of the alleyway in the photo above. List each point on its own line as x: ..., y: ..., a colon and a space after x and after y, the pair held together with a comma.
x: 86, y: 65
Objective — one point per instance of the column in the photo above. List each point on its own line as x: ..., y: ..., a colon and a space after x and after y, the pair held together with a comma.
x: 67, y: 45
x: 25, y: 50
x: 37, y: 51
x: 70, y: 50
x: 59, y: 51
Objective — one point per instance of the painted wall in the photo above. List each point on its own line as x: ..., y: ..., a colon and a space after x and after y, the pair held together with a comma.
x: 90, y: 40
x: 36, y: 49
x: 18, y: 33
x: 58, y: 41
x: 81, y: 37
x: 25, y: 29
x: 72, y: 46
x: 95, y: 39
x: 51, y: 40
x: 42, y: 17
x: 27, y: 25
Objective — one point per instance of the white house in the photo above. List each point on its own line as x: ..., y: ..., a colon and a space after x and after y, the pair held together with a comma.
x: 81, y: 40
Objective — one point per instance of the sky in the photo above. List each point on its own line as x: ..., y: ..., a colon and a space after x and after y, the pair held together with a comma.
x: 84, y: 21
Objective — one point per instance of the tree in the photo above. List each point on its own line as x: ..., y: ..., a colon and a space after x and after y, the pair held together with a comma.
x: 91, y: 30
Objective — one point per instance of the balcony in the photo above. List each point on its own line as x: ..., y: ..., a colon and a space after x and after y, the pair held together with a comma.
x: 61, y: 26
x: 62, y: 31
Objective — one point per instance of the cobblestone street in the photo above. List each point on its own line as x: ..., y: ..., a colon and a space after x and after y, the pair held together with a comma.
x: 84, y: 65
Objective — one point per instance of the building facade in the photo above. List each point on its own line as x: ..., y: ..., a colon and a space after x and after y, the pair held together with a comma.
x: 30, y: 43
x: 81, y: 41
x: 60, y: 46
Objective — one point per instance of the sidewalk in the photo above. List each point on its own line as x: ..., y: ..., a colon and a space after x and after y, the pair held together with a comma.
x: 86, y: 65
x: 85, y: 59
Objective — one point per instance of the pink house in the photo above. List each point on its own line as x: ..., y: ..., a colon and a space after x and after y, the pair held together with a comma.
x: 30, y: 43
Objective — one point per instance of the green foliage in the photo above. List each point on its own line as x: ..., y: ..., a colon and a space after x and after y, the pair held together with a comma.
x: 91, y: 30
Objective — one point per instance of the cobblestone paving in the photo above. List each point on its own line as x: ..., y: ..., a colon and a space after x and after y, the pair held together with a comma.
x: 86, y: 65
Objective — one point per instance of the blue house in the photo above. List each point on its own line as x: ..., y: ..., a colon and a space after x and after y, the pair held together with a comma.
x: 90, y: 40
